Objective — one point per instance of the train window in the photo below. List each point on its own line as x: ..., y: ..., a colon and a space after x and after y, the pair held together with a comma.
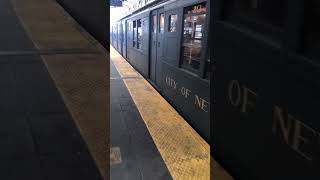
x: 154, y: 24
x: 257, y: 12
x: 134, y: 33
x: 161, y: 27
x: 194, y: 22
x: 139, y: 34
x: 173, y: 23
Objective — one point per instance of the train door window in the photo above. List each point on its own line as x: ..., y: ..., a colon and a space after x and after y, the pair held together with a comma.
x: 129, y: 27
x: 194, y: 25
x: 161, y: 27
x: 154, y: 24
x: 139, y: 34
x: 119, y: 31
x: 173, y: 23
x: 134, y: 34
x: 123, y: 33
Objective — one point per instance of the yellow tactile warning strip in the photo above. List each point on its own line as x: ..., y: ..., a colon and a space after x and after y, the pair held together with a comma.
x: 184, y: 152
x: 218, y: 173
x: 47, y: 25
x: 82, y: 79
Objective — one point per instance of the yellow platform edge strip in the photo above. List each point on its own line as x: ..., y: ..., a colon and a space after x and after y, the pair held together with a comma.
x: 80, y: 78
x: 185, y: 153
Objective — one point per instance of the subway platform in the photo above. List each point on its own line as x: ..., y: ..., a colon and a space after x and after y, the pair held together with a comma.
x: 53, y: 96
x: 54, y: 109
x: 149, y: 138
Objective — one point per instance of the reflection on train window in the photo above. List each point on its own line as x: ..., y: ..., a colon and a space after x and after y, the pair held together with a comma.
x: 154, y: 24
x: 130, y: 26
x: 194, y: 22
x: 134, y: 33
x: 255, y: 11
x: 139, y: 34
x: 173, y: 23
x: 161, y: 27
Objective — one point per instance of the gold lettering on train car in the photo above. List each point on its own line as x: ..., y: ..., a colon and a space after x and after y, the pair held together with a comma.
x: 171, y: 82
x: 285, y: 125
x: 235, y: 101
x: 247, y: 93
x: 300, y: 140
x: 242, y: 96
x: 185, y: 92
x: 201, y: 103
x: 294, y: 133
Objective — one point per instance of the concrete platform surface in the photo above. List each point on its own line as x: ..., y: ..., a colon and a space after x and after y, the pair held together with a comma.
x: 54, y: 95
x: 134, y: 155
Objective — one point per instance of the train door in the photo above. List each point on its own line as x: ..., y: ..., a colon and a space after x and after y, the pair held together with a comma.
x: 157, y: 31
x: 114, y: 33
x: 120, y: 37
x: 124, y: 39
x: 117, y: 36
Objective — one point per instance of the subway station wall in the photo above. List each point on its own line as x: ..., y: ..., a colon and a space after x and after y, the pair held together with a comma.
x: 92, y: 15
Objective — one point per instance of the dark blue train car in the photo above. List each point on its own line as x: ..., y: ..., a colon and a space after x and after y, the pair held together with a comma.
x: 166, y: 41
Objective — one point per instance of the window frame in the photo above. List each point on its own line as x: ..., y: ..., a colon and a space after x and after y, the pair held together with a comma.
x: 139, y: 40
x: 161, y: 31
x: 201, y: 72
x: 134, y: 29
x: 154, y: 22
x: 169, y: 23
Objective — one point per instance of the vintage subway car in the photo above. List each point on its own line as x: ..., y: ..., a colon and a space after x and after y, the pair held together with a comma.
x: 267, y: 88
x: 167, y: 42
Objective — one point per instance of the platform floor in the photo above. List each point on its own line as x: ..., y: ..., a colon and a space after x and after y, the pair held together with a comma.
x: 135, y: 155
x: 53, y: 96
x: 185, y: 154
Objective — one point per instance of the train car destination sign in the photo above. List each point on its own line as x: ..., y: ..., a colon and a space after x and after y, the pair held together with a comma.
x: 200, y: 8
